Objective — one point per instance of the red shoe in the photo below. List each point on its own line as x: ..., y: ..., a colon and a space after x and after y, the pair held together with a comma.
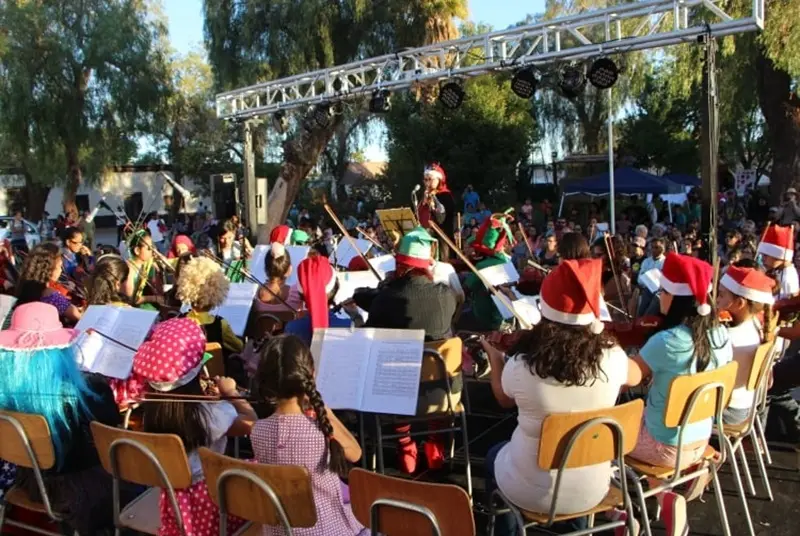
x: 673, y: 513
x: 434, y: 453
x: 407, y: 456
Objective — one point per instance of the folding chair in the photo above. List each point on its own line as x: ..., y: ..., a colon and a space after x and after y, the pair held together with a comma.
x: 157, y: 461
x: 27, y: 443
x: 399, y: 507
x: 441, y: 370
x: 757, y: 380
x: 263, y: 494
x: 580, y: 439
x: 692, y: 398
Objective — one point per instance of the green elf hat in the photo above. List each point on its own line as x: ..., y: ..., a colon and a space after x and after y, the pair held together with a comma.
x: 414, y: 249
x: 299, y: 238
x: 493, y: 235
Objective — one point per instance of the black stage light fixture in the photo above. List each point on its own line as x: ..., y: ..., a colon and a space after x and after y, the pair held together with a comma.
x: 279, y: 121
x: 381, y: 101
x: 603, y: 73
x: 451, y: 95
x: 572, y: 81
x: 323, y: 115
x: 524, y: 82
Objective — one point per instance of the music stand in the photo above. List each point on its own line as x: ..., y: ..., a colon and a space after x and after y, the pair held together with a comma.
x: 397, y: 222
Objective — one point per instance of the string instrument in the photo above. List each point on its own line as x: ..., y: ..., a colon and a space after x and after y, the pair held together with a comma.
x: 637, y: 333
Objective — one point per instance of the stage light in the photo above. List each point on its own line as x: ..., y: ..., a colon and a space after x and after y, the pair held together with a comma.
x: 571, y: 81
x: 451, y: 95
x: 603, y: 73
x: 279, y: 121
x: 323, y: 115
x: 523, y: 84
x: 381, y: 101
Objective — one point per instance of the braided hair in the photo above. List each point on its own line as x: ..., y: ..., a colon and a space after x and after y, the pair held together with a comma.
x: 286, y: 370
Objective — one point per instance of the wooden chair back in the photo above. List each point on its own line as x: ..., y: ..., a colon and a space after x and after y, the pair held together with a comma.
x: 683, y: 389
x: 451, y: 352
x: 268, y: 324
x: 137, y: 457
x: 245, y: 499
x: 17, y: 429
x: 449, y: 504
x: 758, y: 370
x: 216, y: 365
x: 596, y: 443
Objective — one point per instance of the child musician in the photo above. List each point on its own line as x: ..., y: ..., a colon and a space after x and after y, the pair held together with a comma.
x: 171, y: 362
x: 777, y: 252
x: 277, y: 268
x: 744, y: 293
x: 231, y: 252
x: 304, y: 431
x: 144, y: 274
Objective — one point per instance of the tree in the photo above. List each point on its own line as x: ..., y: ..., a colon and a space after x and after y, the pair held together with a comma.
x: 88, y: 76
x: 481, y: 143
x: 254, y: 40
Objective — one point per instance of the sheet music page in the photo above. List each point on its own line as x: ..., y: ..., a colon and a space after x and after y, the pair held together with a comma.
x: 258, y: 261
x: 383, y: 264
x: 350, y: 281
x: 651, y: 279
x: 344, y: 252
x: 395, y: 361
x: 297, y: 254
x: 237, y: 305
x: 500, y: 274
x: 341, y: 362
x: 6, y: 304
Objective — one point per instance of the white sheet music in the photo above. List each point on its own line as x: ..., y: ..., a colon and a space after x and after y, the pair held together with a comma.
x: 374, y: 370
x: 383, y: 264
x: 6, y: 305
x: 101, y: 355
x: 237, y: 305
x: 500, y: 274
x: 651, y: 280
x: 344, y: 252
x: 350, y: 281
x: 525, y: 306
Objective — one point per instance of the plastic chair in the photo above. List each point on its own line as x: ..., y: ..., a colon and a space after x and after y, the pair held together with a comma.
x: 692, y: 398
x: 580, y: 439
x: 27, y: 443
x: 157, y: 461
x: 399, y: 507
x: 263, y: 494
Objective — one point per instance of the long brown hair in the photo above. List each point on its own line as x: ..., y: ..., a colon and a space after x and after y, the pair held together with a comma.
x: 286, y: 370
x: 187, y: 420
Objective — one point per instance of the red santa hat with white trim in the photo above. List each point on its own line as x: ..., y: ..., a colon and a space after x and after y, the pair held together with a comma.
x: 315, y: 280
x: 281, y: 234
x: 778, y: 242
x: 571, y: 294
x: 749, y: 283
x: 435, y: 170
x: 683, y: 275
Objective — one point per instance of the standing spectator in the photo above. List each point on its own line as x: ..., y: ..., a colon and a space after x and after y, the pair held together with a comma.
x: 156, y: 228
x: 680, y: 217
x: 483, y: 213
x: 87, y: 227
x: 18, y: 242
x: 470, y: 197
x: 789, y: 210
x: 624, y: 225
x: 46, y: 227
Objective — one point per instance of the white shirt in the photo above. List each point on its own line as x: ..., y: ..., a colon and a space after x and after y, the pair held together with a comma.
x: 745, y: 339
x: 155, y: 232
x: 445, y: 273
x: 516, y: 468
x: 790, y: 283
x: 648, y: 264
x: 220, y: 416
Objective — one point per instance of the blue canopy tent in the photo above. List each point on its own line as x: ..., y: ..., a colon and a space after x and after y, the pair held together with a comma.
x: 627, y: 181
x: 680, y: 178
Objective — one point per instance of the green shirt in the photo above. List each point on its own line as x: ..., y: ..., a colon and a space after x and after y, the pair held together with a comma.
x: 483, y: 307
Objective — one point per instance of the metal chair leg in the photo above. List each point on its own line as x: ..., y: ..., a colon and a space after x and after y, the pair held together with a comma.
x: 746, y: 469
x: 723, y: 514
x: 737, y: 479
x: 762, y: 439
x: 642, y: 507
x: 468, y: 465
x: 379, y: 444
x: 761, y: 468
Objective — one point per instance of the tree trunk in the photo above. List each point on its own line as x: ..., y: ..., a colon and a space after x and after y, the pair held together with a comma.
x: 300, y: 155
x: 781, y: 108
x: 35, y: 199
x: 73, y: 181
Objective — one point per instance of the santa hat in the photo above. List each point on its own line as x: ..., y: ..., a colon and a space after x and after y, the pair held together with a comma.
x: 571, y: 294
x: 749, y: 283
x: 435, y: 170
x: 683, y: 275
x: 414, y: 249
x: 315, y: 280
x: 357, y: 264
x: 281, y: 234
x: 778, y: 242
x: 493, y: 235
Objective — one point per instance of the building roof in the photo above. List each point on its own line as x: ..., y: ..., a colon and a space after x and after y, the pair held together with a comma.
x: 359, y: 172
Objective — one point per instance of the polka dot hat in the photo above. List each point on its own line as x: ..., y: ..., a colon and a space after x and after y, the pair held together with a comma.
x: 173, y: 356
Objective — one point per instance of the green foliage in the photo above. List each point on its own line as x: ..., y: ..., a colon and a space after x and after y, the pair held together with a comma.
x: 482, y: 143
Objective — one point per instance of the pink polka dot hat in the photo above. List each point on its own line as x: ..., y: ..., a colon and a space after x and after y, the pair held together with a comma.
x: 173, y: 356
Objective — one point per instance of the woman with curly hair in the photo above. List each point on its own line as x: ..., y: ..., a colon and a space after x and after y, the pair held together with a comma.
x: 109, y: 283
x: 564, y: 364
x: 203, y: 285
x: 42, y: 268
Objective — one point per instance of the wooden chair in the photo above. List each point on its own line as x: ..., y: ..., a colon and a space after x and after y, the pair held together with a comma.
x: 263, y: 494
x: 396, y: 506
x: 269, y: 324
x: 155, y: 460
x: 216, y: 365
x: 580, y: 439
x: 692, y: 398
x: 441, y: 369
x: 26, y: 442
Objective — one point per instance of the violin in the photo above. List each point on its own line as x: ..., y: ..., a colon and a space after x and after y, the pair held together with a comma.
x: 74, y: 295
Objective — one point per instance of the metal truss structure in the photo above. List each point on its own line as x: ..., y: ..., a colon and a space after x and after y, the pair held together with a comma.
x: 624, y: 28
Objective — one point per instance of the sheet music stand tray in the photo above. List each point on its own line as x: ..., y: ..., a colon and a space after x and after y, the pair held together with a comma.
x: 397, y: 222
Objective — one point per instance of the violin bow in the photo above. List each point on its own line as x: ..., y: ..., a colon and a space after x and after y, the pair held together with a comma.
x: 614, y: 273
x: 372, y: 240
x: 347, y: 236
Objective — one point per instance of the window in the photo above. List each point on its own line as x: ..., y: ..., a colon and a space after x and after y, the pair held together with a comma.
x: 134, y: 205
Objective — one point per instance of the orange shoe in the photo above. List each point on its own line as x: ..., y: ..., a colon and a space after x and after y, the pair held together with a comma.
x: 407, y: 455
x: 434, y: 452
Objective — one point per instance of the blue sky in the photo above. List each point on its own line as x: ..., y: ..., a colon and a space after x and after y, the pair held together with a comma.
x: 186, y: 28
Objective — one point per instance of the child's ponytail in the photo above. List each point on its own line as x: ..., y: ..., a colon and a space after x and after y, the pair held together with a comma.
x: 336, y: 460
